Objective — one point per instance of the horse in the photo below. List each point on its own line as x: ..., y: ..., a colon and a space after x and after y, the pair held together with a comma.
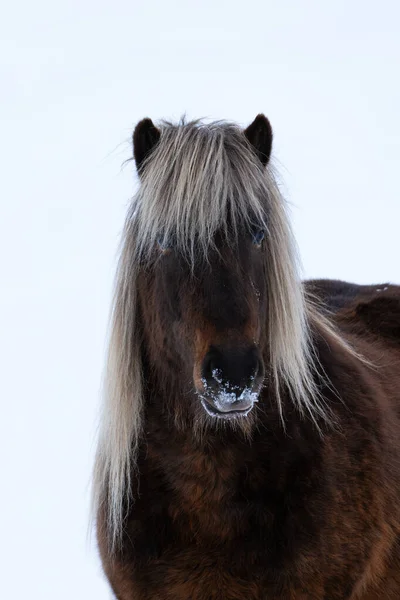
x: 249, y: 442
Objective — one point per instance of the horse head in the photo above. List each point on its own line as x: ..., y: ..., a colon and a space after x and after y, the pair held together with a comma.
x: 203, y: 292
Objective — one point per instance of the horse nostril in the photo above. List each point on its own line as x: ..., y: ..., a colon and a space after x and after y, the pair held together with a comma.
x: 211, y: 368
x: 234, y: 369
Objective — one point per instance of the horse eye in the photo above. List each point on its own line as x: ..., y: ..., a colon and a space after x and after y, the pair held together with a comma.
x: 258, y: 236
x: 163, y: 245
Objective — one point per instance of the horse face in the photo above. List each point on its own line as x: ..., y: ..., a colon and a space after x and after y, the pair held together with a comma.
x: 209, y: 321
x: 204, y: 318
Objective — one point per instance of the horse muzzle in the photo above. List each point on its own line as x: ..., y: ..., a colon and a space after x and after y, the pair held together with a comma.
x: 231, y: 381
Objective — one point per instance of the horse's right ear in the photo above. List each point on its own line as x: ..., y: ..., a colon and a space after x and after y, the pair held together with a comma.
x: 145, y: 137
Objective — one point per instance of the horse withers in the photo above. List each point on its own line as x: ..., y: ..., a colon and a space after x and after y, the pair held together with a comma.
x: 250, y: 436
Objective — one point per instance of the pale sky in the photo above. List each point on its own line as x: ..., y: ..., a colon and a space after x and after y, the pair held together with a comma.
x: 75, y: 78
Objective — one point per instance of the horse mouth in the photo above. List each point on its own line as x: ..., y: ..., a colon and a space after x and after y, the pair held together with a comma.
x: 236, y: 410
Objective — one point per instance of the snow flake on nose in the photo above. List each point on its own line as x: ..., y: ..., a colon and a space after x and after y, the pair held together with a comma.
x: 216, y: 373
x: 227, y: 393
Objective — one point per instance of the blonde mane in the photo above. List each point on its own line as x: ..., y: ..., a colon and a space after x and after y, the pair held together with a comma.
x: 197, y: 176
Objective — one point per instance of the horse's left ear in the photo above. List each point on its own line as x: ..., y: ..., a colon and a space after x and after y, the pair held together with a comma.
x: 145, y: 137
x: 259, y: 134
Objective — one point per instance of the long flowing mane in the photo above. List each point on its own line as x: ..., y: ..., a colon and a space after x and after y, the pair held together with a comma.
x: 200, y: 179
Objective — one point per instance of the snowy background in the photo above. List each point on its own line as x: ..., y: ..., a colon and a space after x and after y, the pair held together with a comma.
x: 75, y: 78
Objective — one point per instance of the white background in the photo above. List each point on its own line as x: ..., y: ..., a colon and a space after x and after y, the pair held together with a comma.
x: 75, y: 78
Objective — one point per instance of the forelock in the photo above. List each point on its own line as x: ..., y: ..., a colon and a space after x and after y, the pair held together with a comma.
x: 200, y: 179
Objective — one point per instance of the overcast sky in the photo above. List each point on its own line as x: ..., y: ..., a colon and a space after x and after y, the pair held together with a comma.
x: 75, y: 78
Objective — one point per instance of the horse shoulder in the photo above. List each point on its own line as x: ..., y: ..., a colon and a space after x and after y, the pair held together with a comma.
x: 380, y: 314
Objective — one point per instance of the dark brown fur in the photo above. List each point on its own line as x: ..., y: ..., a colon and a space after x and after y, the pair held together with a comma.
x: 291, y: 515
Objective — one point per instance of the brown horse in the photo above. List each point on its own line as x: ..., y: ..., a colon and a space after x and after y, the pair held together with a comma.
x: 250, y: 440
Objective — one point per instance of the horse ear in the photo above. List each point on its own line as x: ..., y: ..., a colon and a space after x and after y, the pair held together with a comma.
x: 145, y: 137
x: 259, y: 134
